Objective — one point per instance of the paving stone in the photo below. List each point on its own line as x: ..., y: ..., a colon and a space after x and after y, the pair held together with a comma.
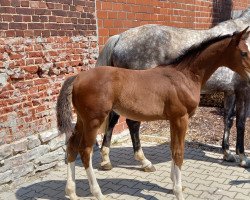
x: 201, y: 179
x: 241, y: 196
x: 236, y: 189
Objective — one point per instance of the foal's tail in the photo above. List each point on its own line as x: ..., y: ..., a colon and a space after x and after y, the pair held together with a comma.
x: 105, y: 56
x: 64, y: 108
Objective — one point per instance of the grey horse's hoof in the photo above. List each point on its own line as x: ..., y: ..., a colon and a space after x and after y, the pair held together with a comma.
x: 150, y: 168
x: 245, y: 162
x: 106, y: 167
x: 229, y: 157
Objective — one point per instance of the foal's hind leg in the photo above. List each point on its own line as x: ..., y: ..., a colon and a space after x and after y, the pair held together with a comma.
x: 86, y: 151
x: 134, y: 127
x: 70, y: 189
x: 106, y: 164
x: 229, y: 105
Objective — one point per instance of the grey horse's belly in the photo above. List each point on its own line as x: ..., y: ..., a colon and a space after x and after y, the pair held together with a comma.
x: 221, y: 81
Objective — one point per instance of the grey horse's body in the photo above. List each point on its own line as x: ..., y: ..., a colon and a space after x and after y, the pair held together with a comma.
x: 152, y: 45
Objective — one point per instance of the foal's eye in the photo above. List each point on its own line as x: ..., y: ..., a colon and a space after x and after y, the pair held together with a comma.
x: 243, y: 54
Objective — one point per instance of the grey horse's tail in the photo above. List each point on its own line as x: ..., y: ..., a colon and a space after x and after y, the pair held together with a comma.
x: 104, y: 58
x: 64, y: 108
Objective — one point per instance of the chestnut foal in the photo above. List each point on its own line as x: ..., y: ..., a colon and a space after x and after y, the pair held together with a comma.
x: 166, y: 92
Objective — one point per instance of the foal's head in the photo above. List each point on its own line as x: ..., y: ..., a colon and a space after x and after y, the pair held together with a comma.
x: 238, y: 58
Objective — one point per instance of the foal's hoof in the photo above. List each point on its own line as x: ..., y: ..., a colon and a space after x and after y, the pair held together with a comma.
x: 149, y: 168
x: 106, y: 167
x: 245, y: 162
x: 71, y: 196
x: 229, y: 157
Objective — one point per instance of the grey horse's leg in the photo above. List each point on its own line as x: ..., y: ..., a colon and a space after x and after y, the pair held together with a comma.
x: 241, y: 111
x: 229, y: 105
x: 106, y: 164
x: 134, y: 127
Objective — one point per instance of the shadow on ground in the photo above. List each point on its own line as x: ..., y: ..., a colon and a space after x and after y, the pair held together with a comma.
x: 53, y: 189
x: 161, y: 153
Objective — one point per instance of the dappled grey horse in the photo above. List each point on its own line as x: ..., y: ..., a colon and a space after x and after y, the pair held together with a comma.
x: 152, y: 45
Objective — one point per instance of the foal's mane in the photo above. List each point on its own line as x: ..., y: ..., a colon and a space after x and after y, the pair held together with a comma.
x: 196, y: 49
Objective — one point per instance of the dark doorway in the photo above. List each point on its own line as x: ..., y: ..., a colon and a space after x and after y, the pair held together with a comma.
x: 221, y: 11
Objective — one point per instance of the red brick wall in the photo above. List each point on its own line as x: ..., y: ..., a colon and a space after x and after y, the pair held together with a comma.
x: 116, y: 16
x: 41, y: 42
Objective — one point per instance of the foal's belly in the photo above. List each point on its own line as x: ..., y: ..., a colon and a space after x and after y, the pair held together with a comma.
x: 140, y: 116
x: 142, y: 112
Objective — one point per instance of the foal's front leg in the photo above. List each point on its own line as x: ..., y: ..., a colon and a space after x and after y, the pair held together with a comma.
x: 178, y: 128
x: 86, y: 156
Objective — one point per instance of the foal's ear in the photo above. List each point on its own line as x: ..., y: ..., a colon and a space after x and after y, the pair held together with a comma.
x: 238, y: 36
x: 246, y: 35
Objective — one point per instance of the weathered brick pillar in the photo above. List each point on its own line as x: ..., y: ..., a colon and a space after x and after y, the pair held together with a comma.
x: 41, y: 43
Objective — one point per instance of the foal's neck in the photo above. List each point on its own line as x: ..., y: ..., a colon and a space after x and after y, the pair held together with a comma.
x: 207, y: 62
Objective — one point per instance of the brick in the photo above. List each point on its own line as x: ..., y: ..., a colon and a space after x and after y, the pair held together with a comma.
x: 35, y: 26
x: 25, y: 3
x: 16, y: 3
x: 34, y: 4
x: 59, y: 13
x: 25, y: 11
x: 42, y: 12
x: 7, y: 17
x: 4, y: 26
x: 5, y: 2
x: 31, y: 69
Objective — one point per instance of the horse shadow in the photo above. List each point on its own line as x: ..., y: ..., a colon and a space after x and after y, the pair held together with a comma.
x: 160, y: 153
x: 123, y: 157
x: 54, y: 189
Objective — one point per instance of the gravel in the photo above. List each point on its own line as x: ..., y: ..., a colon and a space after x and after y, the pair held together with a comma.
x: 205, y: 127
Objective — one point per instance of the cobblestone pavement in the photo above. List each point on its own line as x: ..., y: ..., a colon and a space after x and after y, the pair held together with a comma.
x: 205, y: 176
